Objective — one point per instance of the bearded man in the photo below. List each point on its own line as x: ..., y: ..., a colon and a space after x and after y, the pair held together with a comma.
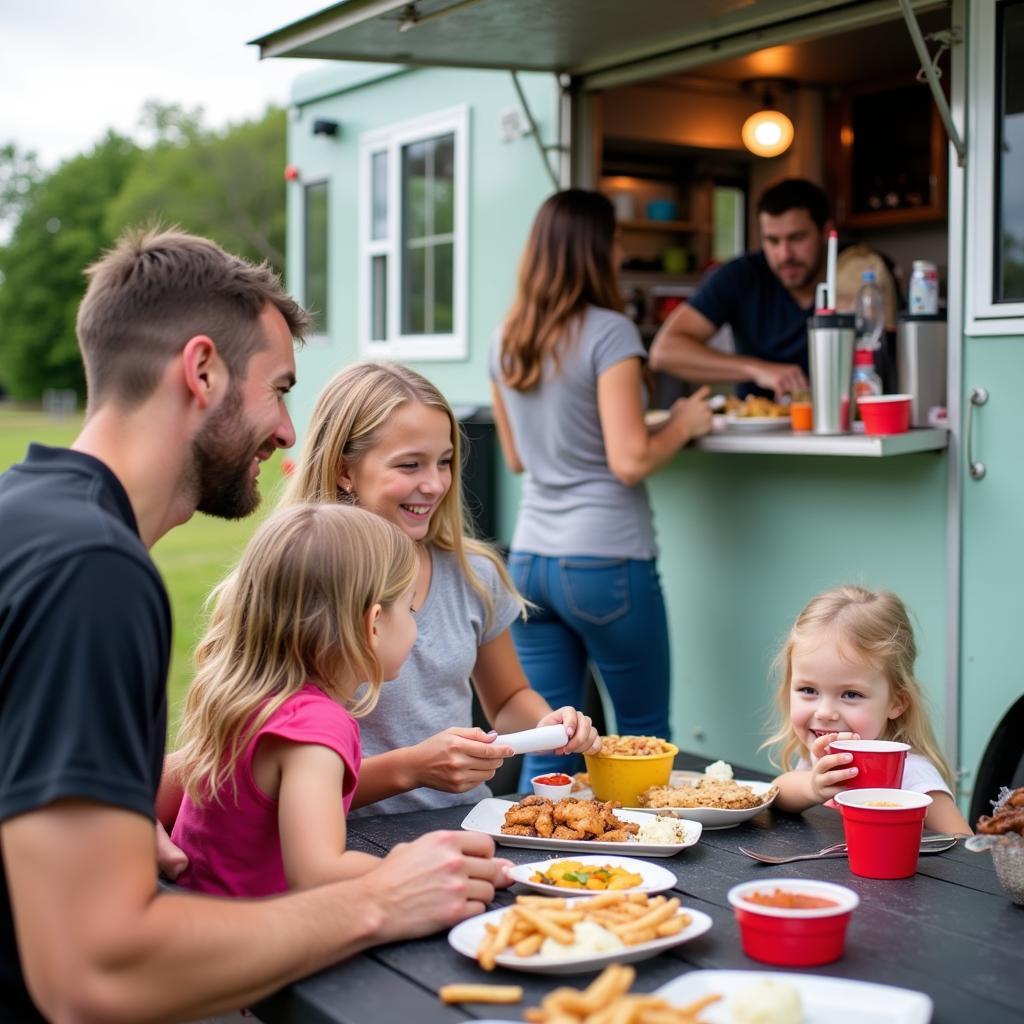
x: 188, y: 356
x: 765, y: 297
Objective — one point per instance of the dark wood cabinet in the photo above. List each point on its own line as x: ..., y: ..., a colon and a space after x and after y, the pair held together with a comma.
x: 887, y: 156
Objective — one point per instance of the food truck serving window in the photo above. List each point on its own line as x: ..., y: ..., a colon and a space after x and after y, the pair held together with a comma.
x: 1008, y: 254
x: 412, y: 186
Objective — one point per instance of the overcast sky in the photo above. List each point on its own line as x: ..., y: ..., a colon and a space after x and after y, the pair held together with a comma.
x: 69, y: 69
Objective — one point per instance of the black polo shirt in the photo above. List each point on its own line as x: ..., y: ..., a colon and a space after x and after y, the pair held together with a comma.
x: 766, y: 321
x: 85, y: 633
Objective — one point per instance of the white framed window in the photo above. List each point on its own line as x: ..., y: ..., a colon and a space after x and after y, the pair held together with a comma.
x: 413, y: 238
x: 995, y: 169
x: 316, y: 279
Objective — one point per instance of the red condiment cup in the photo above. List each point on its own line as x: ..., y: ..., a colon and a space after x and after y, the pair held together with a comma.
x: 788, y: 937
x: 885, y: 414
x: 883, y: 841
x: 879, y: 763
x: 551, y: 792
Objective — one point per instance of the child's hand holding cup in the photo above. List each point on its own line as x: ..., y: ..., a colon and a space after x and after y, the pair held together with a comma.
x: 831, y: 773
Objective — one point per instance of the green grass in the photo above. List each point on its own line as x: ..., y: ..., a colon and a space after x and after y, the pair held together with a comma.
x: 192, y: 558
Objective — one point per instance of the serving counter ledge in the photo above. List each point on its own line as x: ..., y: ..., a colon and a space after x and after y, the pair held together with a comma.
x: 785, y: 442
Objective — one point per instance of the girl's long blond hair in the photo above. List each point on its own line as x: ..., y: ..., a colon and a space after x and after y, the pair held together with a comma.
x: 293, y: 611
x: 871, y: 625
x: 566, y: 266
x: 346, y: 423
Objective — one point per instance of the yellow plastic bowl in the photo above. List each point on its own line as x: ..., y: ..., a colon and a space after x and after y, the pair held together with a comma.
x: 623, y: 777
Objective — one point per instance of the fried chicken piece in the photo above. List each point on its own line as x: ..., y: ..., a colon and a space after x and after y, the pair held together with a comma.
x: 580, y: 815
x: 519, y: 815
x: 1008, y: 816
x: 518, y: 830
x: 616, y: 835
x: 535, y: 801
x: 564, y: 832
x: 545, y: 823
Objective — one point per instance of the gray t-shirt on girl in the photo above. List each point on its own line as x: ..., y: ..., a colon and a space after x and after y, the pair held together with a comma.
x: 433, y: 691
x: 572, y: 503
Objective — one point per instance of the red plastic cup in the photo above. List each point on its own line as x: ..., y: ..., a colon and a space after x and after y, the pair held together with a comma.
x: 883, y: 830
x: 879, y: 763
x: 788, y: 937
x: 885, y: 414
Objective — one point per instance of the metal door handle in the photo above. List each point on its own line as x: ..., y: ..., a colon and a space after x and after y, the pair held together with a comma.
x: 979, y: 396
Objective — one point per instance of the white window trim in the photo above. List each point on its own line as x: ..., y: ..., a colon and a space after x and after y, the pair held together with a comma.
x: 416, y: 347
x: 321, y: 338
x: 984, y: 317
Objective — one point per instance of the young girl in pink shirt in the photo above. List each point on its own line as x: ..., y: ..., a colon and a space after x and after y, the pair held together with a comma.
x: 847, y: 672
x: 318, y: 614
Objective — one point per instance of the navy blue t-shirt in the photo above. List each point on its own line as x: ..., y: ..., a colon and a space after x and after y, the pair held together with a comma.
x: 766, y: 320
x: 85, y: 642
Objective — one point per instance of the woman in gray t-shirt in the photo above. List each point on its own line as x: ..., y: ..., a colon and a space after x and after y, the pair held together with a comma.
x: 567, y: 380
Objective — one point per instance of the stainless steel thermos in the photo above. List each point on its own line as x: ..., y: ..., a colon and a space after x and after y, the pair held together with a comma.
x: 830, y: 338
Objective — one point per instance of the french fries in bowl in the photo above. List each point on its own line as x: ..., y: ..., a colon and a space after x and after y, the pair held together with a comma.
x: 558, y: 936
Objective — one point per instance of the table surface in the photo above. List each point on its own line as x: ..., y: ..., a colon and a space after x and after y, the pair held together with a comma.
x: 949, y: 931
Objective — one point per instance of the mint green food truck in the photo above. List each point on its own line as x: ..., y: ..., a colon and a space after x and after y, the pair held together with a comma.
x: 417, y: 161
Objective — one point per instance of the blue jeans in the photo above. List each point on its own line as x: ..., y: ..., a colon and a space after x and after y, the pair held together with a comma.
x: 608, y: 611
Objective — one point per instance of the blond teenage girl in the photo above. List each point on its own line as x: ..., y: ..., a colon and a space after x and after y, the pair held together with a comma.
x: 847, y: 671
x: 383, y: 437
x: 303, y: 633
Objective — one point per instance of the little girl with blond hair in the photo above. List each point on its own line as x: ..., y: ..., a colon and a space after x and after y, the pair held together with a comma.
x: 847, y: 672
x: 302, y: 635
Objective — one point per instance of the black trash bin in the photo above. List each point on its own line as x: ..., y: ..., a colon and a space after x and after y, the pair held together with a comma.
x: 479, y: 468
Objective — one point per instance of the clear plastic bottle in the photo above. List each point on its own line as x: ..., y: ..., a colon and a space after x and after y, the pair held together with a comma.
x: 869, y: 313
x: 866, y: 381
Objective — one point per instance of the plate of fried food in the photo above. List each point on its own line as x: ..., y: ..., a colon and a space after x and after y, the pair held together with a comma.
x: 715, y: 803
x: 753, y: 997
x: 566, y: 936
x: 755, y: 412
x: 580, y: 826
x: 593, y: 873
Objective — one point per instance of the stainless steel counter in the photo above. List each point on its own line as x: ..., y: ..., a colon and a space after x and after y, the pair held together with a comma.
x: 785, y: 442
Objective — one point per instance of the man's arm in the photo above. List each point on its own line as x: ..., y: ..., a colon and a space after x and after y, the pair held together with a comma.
x: 681, y: 349
x: 99, y: 941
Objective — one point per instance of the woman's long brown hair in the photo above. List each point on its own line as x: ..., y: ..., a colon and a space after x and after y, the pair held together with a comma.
x: 566, y: 266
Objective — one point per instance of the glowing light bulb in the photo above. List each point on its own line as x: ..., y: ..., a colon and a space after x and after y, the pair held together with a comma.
x: 767, y: 133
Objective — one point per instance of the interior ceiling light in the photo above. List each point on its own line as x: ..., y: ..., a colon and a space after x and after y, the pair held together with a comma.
x: 768, y: 132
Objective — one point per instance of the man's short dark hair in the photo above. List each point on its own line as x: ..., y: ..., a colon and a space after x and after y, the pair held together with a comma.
x: 795, y: 194
x: 156, y: 289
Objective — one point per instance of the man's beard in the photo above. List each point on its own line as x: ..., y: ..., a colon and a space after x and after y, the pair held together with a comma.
x: 221, y: 471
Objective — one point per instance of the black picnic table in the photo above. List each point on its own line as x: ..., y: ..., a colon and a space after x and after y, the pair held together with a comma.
x: 950, y: 931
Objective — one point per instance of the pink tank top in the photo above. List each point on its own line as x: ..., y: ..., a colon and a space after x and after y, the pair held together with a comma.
x: 234, y: 849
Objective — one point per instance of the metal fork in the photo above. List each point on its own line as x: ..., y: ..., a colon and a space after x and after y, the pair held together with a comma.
x: 929, y: 844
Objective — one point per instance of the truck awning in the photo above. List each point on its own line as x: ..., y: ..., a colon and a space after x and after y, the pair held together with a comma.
x: 583, y: 38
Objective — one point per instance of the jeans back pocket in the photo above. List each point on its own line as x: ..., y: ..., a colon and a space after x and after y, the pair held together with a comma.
x: 596, y: 589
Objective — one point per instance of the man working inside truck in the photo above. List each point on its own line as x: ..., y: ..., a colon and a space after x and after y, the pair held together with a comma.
x: 765, y: 297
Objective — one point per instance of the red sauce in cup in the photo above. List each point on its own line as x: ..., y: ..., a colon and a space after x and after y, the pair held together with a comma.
x: 790, y: 900
x: 553, y: 780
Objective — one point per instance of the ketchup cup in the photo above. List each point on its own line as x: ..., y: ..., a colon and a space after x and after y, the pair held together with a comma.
x: 883, y: 830
x: 879, y: 763
x: 790, y: 937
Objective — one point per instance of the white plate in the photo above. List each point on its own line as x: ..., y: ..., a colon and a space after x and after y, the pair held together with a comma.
x: 825, y: 1000
x: 466, y: 937
x: 757, y: 422
x: 489, y: 815
x: 655, y: 877
x: 718, y: 817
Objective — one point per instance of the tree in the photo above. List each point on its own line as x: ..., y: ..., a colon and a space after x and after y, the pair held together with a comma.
x: 18, y: 173
x: 60, y: 232
x: 224, y: 185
